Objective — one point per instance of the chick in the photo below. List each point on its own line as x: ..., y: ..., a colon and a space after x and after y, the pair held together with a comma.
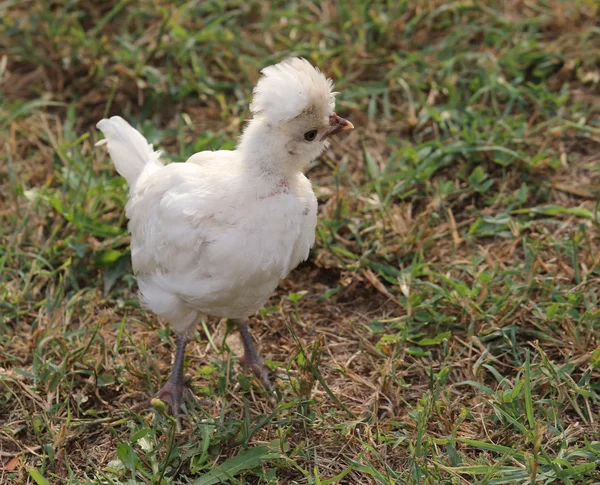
x: 213, y: 237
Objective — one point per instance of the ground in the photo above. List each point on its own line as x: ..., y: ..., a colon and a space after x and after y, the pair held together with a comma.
x: 446, y: 327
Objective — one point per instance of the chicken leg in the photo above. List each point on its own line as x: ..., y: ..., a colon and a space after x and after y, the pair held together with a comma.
x: 251, y: 357
x: 174, y: 391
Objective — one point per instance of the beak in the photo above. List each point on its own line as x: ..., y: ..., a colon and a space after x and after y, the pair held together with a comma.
x: 337, y: 125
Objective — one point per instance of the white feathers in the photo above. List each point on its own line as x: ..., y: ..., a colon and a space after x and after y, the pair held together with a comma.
x: 290, y: 88
x: 215, y: 235
x: 129, y: 150
x: 209, y: 238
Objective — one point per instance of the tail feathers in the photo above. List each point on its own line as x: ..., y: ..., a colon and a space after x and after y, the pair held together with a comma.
x: 129, y: 150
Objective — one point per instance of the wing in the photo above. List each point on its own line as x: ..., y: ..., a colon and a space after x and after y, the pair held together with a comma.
x: 201, y: 234
x: 173, y: 215
x: 209, y: 157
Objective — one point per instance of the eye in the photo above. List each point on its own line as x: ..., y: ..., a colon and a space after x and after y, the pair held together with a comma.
x: 310, y: 135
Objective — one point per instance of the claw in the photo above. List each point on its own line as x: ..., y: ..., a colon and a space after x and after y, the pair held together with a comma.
x: 258, y: 368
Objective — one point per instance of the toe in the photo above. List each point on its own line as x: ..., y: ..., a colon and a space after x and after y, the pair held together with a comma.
x: 172, y: 394
x: 260, y: 371
x: 263, y: 374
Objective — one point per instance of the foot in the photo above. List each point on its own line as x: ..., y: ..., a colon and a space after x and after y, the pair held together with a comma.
x: 174, y: 391
x: 172, y: 394
x: 256, y: 364
x: 251, y: 358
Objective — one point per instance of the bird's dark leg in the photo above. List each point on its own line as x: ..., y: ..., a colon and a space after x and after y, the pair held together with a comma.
x: 251, y: 358
x: 175, y: 390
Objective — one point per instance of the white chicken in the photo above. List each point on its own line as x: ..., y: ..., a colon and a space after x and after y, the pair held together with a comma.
x: 215, y: 235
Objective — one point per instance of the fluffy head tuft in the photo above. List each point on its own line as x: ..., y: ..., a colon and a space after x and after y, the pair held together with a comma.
x: 289, y: 89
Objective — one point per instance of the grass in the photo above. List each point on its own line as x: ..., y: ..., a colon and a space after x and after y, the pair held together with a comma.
x: 446, y: 328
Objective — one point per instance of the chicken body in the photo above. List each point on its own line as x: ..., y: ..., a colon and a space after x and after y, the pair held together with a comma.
x: 211, y: 237
x: 214, y: 236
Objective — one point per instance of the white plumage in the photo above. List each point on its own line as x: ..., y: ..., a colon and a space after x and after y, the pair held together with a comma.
x: 209, y: 239
x: 215, y: 235
x: 128, y: 149
x: 286, y: 89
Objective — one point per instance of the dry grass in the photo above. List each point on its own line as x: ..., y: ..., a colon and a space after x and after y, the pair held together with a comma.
x: 446, y: 328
